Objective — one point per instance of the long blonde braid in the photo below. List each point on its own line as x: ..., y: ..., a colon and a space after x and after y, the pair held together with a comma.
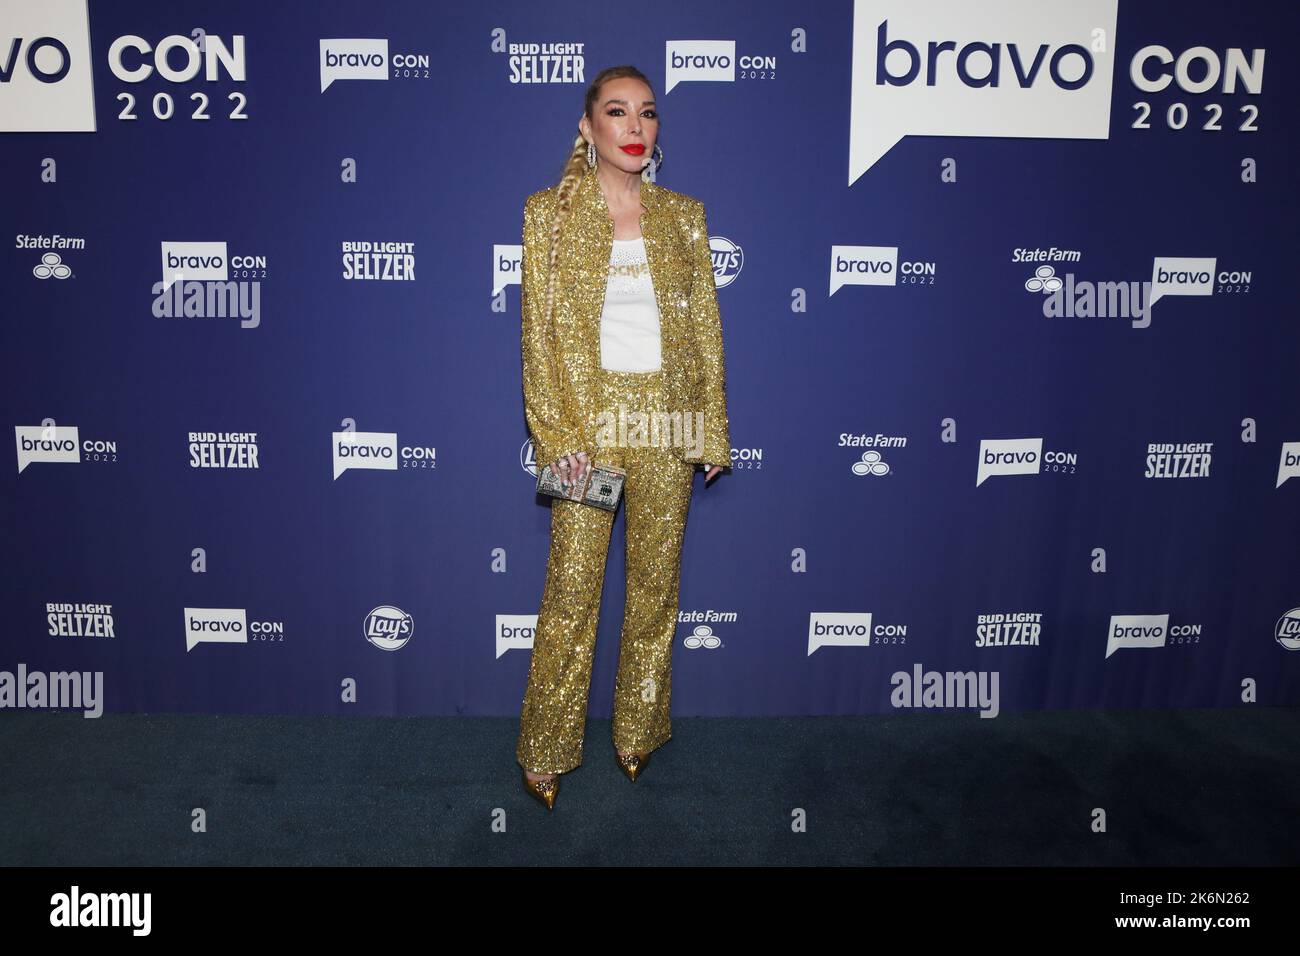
x: 574, y: 168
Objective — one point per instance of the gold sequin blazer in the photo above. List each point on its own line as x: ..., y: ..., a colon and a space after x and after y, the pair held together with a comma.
x: 562, y: 359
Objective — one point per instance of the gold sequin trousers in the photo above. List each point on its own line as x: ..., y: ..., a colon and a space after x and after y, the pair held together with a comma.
x: 656, y: 496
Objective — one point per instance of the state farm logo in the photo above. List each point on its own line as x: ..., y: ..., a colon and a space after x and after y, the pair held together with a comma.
x: 52, y: 266
x: 702, y: 636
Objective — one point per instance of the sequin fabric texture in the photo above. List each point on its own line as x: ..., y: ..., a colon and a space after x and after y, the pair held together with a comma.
x: 565, y: 393
x: 656, y: 498
x: 561, y: 358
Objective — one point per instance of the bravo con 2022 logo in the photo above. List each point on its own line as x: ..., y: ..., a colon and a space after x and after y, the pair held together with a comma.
x: 368, y: 59
x: 46, y: 68
x: 203, y: 280
x: 50, y: 442
x: 1030, y: 69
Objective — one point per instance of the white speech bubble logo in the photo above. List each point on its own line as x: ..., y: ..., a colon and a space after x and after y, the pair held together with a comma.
x: 506, y: 268
x: 698, y: 60
x: 47, y: 85
x: 835, y: 629
x: 214, y: 625
x: 863, y: 265
x: 375, y: 450
x: 1136, y: 630
x: 515, y: 632
x: 352, y: 59
x: 1177, y: 275
x: 1289, y: 465
x: 1046, y: 80
x: 198, y: 261
x: 1009, y: 456
x: 59, y: 443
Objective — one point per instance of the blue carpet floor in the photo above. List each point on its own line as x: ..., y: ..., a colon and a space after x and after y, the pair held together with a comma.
x: 1179, y: 788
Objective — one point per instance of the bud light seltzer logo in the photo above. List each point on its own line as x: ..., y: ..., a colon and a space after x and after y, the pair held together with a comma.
x: 388, y: 627
x: 534, y: 62
x: 1022, y: 68
x: 79, y: 620
x: 1178, y: 459
x: 45, y: 68
x: 384, y: 261
x: 1287, y: 632
x: 223, y: 450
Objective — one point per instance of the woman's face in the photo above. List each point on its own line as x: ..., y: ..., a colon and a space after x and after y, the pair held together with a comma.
x: 624, y: 124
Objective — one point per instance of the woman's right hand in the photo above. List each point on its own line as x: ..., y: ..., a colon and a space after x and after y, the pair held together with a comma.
x: 571, y: 468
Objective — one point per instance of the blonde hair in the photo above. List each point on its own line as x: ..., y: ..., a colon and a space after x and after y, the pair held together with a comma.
x: 574, y: 168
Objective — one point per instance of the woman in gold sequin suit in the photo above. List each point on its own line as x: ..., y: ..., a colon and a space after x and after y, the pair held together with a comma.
x: 568, y: 235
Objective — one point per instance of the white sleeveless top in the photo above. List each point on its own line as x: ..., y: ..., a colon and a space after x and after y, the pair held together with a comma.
x: 629, y: 322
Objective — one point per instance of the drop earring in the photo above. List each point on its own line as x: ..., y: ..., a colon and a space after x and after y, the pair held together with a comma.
x: 591, y: 155
x: 647, y: 175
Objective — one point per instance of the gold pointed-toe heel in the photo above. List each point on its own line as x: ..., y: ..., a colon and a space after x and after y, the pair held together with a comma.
x: 543, y: 790
x: 632, y: 764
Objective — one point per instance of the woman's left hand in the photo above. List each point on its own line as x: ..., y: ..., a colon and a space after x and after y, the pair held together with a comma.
x: 712, y: 470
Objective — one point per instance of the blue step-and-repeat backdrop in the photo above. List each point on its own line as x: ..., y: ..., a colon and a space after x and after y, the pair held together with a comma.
x: 1010, y: 324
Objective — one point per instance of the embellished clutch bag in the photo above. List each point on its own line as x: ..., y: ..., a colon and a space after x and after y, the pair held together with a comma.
x: 601, y: 485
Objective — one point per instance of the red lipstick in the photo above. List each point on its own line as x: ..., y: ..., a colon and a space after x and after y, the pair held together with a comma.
x: 633, y: 149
